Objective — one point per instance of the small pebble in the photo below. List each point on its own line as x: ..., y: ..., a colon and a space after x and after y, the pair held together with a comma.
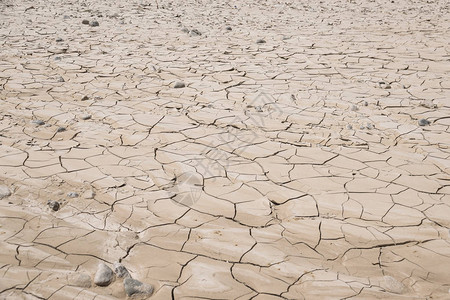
x: 120, y: 270
x: 384, y: 85
x: 61, y: 129
x: 57, y: 58
x: 185, y: 30
x: 134, y: 287
x: 424, y: 122
x: 4, y: 191
x: 228, y: 28
x: 362, y: 127
x: 38, y: 122
x: 85, y: 22
x: 66, y: 17
x: 90, y: 194
x: 104, y: 275
x: 369, y: 126
x: 94, y: 24
x: 85, y: 98
x: 85, y: 117
x: 59, y: 40
x: 72, y: 195
x: 61, y: 79
x: 195, y: 32
x: 54, y: 205
x: 260, y: 41
x: 354, y: 107
x: 179, y: 85
x: 366, y: 103
x: 349, y: 126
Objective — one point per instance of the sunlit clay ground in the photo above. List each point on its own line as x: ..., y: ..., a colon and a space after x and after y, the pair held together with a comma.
x: 224, y: 149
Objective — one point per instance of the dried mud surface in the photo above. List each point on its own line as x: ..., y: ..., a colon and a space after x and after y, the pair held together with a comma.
x: 225, y: 149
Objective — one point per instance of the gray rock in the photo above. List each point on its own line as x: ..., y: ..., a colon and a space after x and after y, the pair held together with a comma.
x: 72, y: 195
x: 4, y: 191
x: 354, y: 107
x: 179, y: 85
x: 424, y: 122
x: 80, y: 280
x: 369, y: 126
x: 185, y: 30
x: 59, y: 40
x: 93, y: 23
x: 366, y: 103
x: 134, y: 287
x: 54, y: 205
x: 61, y: 129
x: 195, y: 32
x: 260, y: 41
x: 89, y: 194
x: 349, y: 126
x: 104, y: 275
x: 228, y: 28
x: 120, y: 270
x: 61, y: 79
x: 85, y: 117
x: 384, y: 85
x: 85, y: 22
x: 85, y: 98
x: 38, y: 122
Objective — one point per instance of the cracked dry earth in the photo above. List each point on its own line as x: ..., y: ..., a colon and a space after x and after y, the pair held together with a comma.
x: 306, y: 156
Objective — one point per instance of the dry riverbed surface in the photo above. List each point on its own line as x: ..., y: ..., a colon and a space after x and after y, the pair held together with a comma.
x: 224, y: 149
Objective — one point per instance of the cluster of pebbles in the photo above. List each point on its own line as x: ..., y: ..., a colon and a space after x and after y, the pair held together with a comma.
x: 105, y: 276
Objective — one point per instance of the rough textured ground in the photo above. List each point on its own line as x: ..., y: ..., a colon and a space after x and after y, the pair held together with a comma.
x: 290, y: 169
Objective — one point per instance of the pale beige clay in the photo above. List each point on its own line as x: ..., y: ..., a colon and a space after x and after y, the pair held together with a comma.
x: 224, y: 149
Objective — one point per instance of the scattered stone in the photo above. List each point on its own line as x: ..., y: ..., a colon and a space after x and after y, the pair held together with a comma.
x: 366, y: 103
x: 185, y: 30
x: 57, y: 58
x: 85, y: 98
x: 133, y: 287
x: 393, y: 285
x: 354, y: 107
x: 258, y: 109
x: 61, y: 129
x: 4, y: 191
x: 369, y: 126
x: 228, y: 28
x: 72, y: 195
x: 85, y: 117
x: 260, y: 41
x: 104, y: 275
x: 94, y: 24
x: 85, y: 22
x: 38, y: 122
x: 61, y: 79
x: 195, y: 32
x: 424, y: 122
x: 89, y: 194
x: 59, y: 40
x: 121, y: 271
x: 54, y: 205
x: 66, y: 17
x: 362, y: 127
x: 384, y: 85
x: 349, y: 126
x: 179, y: 85
x: 80, y: 280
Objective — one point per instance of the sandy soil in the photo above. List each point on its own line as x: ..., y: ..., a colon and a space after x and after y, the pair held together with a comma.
x: 225, y: 149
